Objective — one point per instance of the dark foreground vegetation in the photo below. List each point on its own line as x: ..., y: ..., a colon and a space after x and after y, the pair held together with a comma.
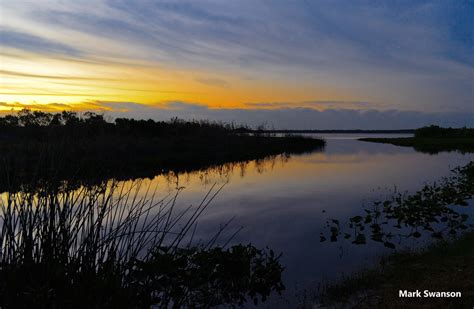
x: 73, y: 236
x: 111, y: 246
x: 36, y: 147
x: 444, y: 267
x: 434, y: 139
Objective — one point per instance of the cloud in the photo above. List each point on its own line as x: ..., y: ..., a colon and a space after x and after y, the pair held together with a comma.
x: 60, y: 77
x: 8, y: 108
x: 278, y: 118
x: 320, y: 105
x: 409, y: 55
x: 216, y: 82
x: 31, y: 42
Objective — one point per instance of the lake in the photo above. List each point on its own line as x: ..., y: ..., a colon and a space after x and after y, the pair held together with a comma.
x: 284, y: 202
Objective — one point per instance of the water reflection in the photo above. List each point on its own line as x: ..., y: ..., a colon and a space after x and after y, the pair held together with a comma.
x: 286, y: 206
x: 223, y: 173
x: 283, y: 202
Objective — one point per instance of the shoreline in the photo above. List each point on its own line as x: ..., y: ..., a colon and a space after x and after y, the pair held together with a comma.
x: 93, y: 159
x: 435, y: 276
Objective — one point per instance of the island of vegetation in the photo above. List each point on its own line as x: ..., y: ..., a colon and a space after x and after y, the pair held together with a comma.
x: 87, y: 147
x: 434, y: 139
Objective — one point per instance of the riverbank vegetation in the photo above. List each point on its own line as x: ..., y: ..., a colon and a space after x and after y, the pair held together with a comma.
x: 37, y: 146
x: 434, y: 139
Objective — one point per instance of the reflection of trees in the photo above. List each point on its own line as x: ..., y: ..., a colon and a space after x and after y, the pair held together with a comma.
x: 223, y: 173
x: 118, y: 245
x: 38, y: 149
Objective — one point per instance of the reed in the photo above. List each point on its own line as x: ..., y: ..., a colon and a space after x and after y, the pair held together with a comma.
x: 118, y: 245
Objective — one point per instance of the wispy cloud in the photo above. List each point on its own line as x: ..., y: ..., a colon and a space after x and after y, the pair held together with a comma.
x: 216, y: 82
x: 60, y: 77
x: 27, y: 41
x: 320, y: 105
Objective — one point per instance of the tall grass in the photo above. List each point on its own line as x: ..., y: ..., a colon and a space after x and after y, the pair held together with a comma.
x: 118, y: 245
x: 89, y: 223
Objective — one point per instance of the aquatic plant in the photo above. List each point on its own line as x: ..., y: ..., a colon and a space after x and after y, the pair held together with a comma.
x: 430, y: 210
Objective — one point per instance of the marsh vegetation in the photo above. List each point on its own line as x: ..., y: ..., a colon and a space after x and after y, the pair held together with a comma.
x: 74, y: 234
x: 88, y: 149
x: 436, y: 209
x: 120, y: 246
x: 434, y: 139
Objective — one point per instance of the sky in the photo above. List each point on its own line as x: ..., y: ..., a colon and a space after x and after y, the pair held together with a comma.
x: 286, y: 64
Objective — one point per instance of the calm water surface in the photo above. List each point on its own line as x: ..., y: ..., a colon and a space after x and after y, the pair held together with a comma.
x: 284, y: 203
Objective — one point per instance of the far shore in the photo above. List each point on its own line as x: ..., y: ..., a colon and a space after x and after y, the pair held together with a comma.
x: 349, y: 131
x: 433, y: 139
x: 38, y: 146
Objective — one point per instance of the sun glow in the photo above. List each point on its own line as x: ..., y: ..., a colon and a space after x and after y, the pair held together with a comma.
x: 38, y: 79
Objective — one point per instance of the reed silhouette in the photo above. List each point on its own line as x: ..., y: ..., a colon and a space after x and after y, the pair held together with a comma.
x: 116, y: 245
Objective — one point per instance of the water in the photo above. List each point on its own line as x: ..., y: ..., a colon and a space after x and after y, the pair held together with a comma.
x: 283, y: 203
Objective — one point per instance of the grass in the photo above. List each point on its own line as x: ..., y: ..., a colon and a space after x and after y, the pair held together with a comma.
x: 445, y: 266
x: 119, y: 246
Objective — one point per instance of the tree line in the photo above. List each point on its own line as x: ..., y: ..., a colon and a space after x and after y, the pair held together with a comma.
x: 29, y: 122
x: 439, y: 132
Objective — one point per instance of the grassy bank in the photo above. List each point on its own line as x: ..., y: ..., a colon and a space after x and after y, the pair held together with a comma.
x: 433, y: 139
x: 445, y: 266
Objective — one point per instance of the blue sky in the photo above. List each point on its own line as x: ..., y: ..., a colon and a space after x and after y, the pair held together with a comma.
x: 388, y: 57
